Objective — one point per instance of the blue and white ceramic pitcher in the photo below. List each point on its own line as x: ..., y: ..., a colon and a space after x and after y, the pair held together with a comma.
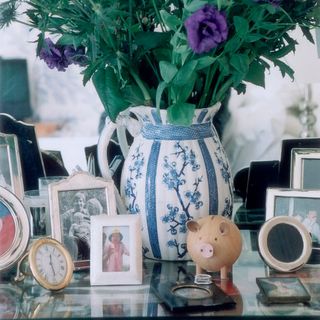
x: 171, y: 174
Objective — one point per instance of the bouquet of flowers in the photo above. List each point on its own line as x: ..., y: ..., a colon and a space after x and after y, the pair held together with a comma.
x: 173, y: 54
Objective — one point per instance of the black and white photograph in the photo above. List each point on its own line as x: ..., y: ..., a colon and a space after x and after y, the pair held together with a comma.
x: 76, y: 208
x: 304, y: 205
x: 74, y: 201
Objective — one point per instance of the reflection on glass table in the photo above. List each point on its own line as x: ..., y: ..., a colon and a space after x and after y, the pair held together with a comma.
x: 80, y: 300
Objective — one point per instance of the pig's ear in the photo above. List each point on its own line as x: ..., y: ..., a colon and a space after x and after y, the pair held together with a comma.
x: 193, y: 226
x: 224, y: 228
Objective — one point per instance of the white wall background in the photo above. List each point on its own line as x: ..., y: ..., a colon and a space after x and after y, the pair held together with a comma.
x: 55, y: 96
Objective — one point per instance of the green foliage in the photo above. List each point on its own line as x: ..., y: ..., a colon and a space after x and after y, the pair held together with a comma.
x: 137, y: 51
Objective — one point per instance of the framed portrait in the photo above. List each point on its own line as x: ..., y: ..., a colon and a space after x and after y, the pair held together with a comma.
x: 116, y: 253
x: 10, y: 165
x: 73, y: 202
x: 305, y: 168
x: 304, y: 205
x: 14, y: 229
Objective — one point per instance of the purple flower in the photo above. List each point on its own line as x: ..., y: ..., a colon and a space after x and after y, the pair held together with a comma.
x: 75, y: 55
x: 53, y: 56
x: 60, y: 57
x: 206, y: 29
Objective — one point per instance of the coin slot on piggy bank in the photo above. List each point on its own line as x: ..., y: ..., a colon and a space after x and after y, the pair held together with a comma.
x: 214, y: 243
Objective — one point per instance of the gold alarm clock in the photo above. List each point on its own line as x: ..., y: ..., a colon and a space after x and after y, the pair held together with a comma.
x: 50, y: 264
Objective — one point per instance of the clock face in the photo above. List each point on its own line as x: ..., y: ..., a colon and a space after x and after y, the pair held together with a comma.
x: 51, y: 264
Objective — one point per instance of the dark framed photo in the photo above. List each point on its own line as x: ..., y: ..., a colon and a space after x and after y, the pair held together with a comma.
x: 73, y: 202
x: 305, y: 168
x: 282, y: 290
x: 14, y: 229
x: 303, y: 205
x: 116, y: 254
x: 10, y: 165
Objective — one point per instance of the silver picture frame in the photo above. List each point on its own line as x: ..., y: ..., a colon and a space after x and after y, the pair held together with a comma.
x: 304, y: 205
x: 116, y: 253
x: 14, y: 229
x: 305, y: 168
x: 10, y: 165
x: 72, y: 203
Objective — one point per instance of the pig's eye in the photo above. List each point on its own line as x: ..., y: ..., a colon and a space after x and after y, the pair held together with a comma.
x: 215, y: 239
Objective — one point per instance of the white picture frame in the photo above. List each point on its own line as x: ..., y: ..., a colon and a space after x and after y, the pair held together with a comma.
x: 72, y: 203
x: 304, y: 205
x: 104, y: 269
x: 305, y: 168
x: 10, y: 165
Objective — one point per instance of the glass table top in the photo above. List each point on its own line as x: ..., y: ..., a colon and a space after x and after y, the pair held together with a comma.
x: 80, y: 300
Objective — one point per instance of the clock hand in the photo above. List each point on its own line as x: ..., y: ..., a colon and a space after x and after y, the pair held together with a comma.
x: 50, y: 258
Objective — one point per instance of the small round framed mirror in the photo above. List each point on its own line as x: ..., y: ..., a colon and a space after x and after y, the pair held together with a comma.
x: 284, y: 243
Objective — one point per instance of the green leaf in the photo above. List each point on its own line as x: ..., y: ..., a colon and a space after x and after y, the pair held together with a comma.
x: 151, y: 40
x: 167, y: 71
x: 205, y: 62
x: 107, y: 87
x: 68, y: 39
x: 181, y: 114
x: 184, y: 92
x: 89, y: 71
x: 241, y: 25
x: 233, y: 44
x: 224, y: 66
x: 184, y: 74
x: 160, y: 90
x: 255, y: 74
x: 182, y: 49
x: 194, y: 5
x: 284, y: 68
x: 170, y: 20
x: 240, y: 62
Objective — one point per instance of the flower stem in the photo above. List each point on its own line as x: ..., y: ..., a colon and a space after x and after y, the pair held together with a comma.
x: 158, y: 16
x: 146, y: 95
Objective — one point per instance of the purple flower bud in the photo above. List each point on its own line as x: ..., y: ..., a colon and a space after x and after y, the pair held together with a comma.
x: 206, y: 29
x: 53, y: 56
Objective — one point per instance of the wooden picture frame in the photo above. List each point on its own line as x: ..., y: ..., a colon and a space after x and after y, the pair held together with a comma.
x: 10, y: 165
x: 72, y: 202
x: 110, y: 233
x: 305, y: 168
x: 14, y: 229
x: 301, y: 204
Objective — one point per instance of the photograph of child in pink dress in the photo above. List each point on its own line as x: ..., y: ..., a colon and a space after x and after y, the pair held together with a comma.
x: 114, y: 250
x: 7, y: 229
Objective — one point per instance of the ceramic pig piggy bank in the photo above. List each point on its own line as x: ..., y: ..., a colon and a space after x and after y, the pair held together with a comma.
x: 214, y: 243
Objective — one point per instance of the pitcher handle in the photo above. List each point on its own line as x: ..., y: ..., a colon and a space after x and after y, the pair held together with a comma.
x: 102, y: 147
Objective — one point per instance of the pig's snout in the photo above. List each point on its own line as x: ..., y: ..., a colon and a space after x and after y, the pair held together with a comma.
x: 206, y: 250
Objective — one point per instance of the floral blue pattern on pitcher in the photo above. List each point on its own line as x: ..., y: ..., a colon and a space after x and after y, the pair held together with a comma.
x: 173, y: 174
